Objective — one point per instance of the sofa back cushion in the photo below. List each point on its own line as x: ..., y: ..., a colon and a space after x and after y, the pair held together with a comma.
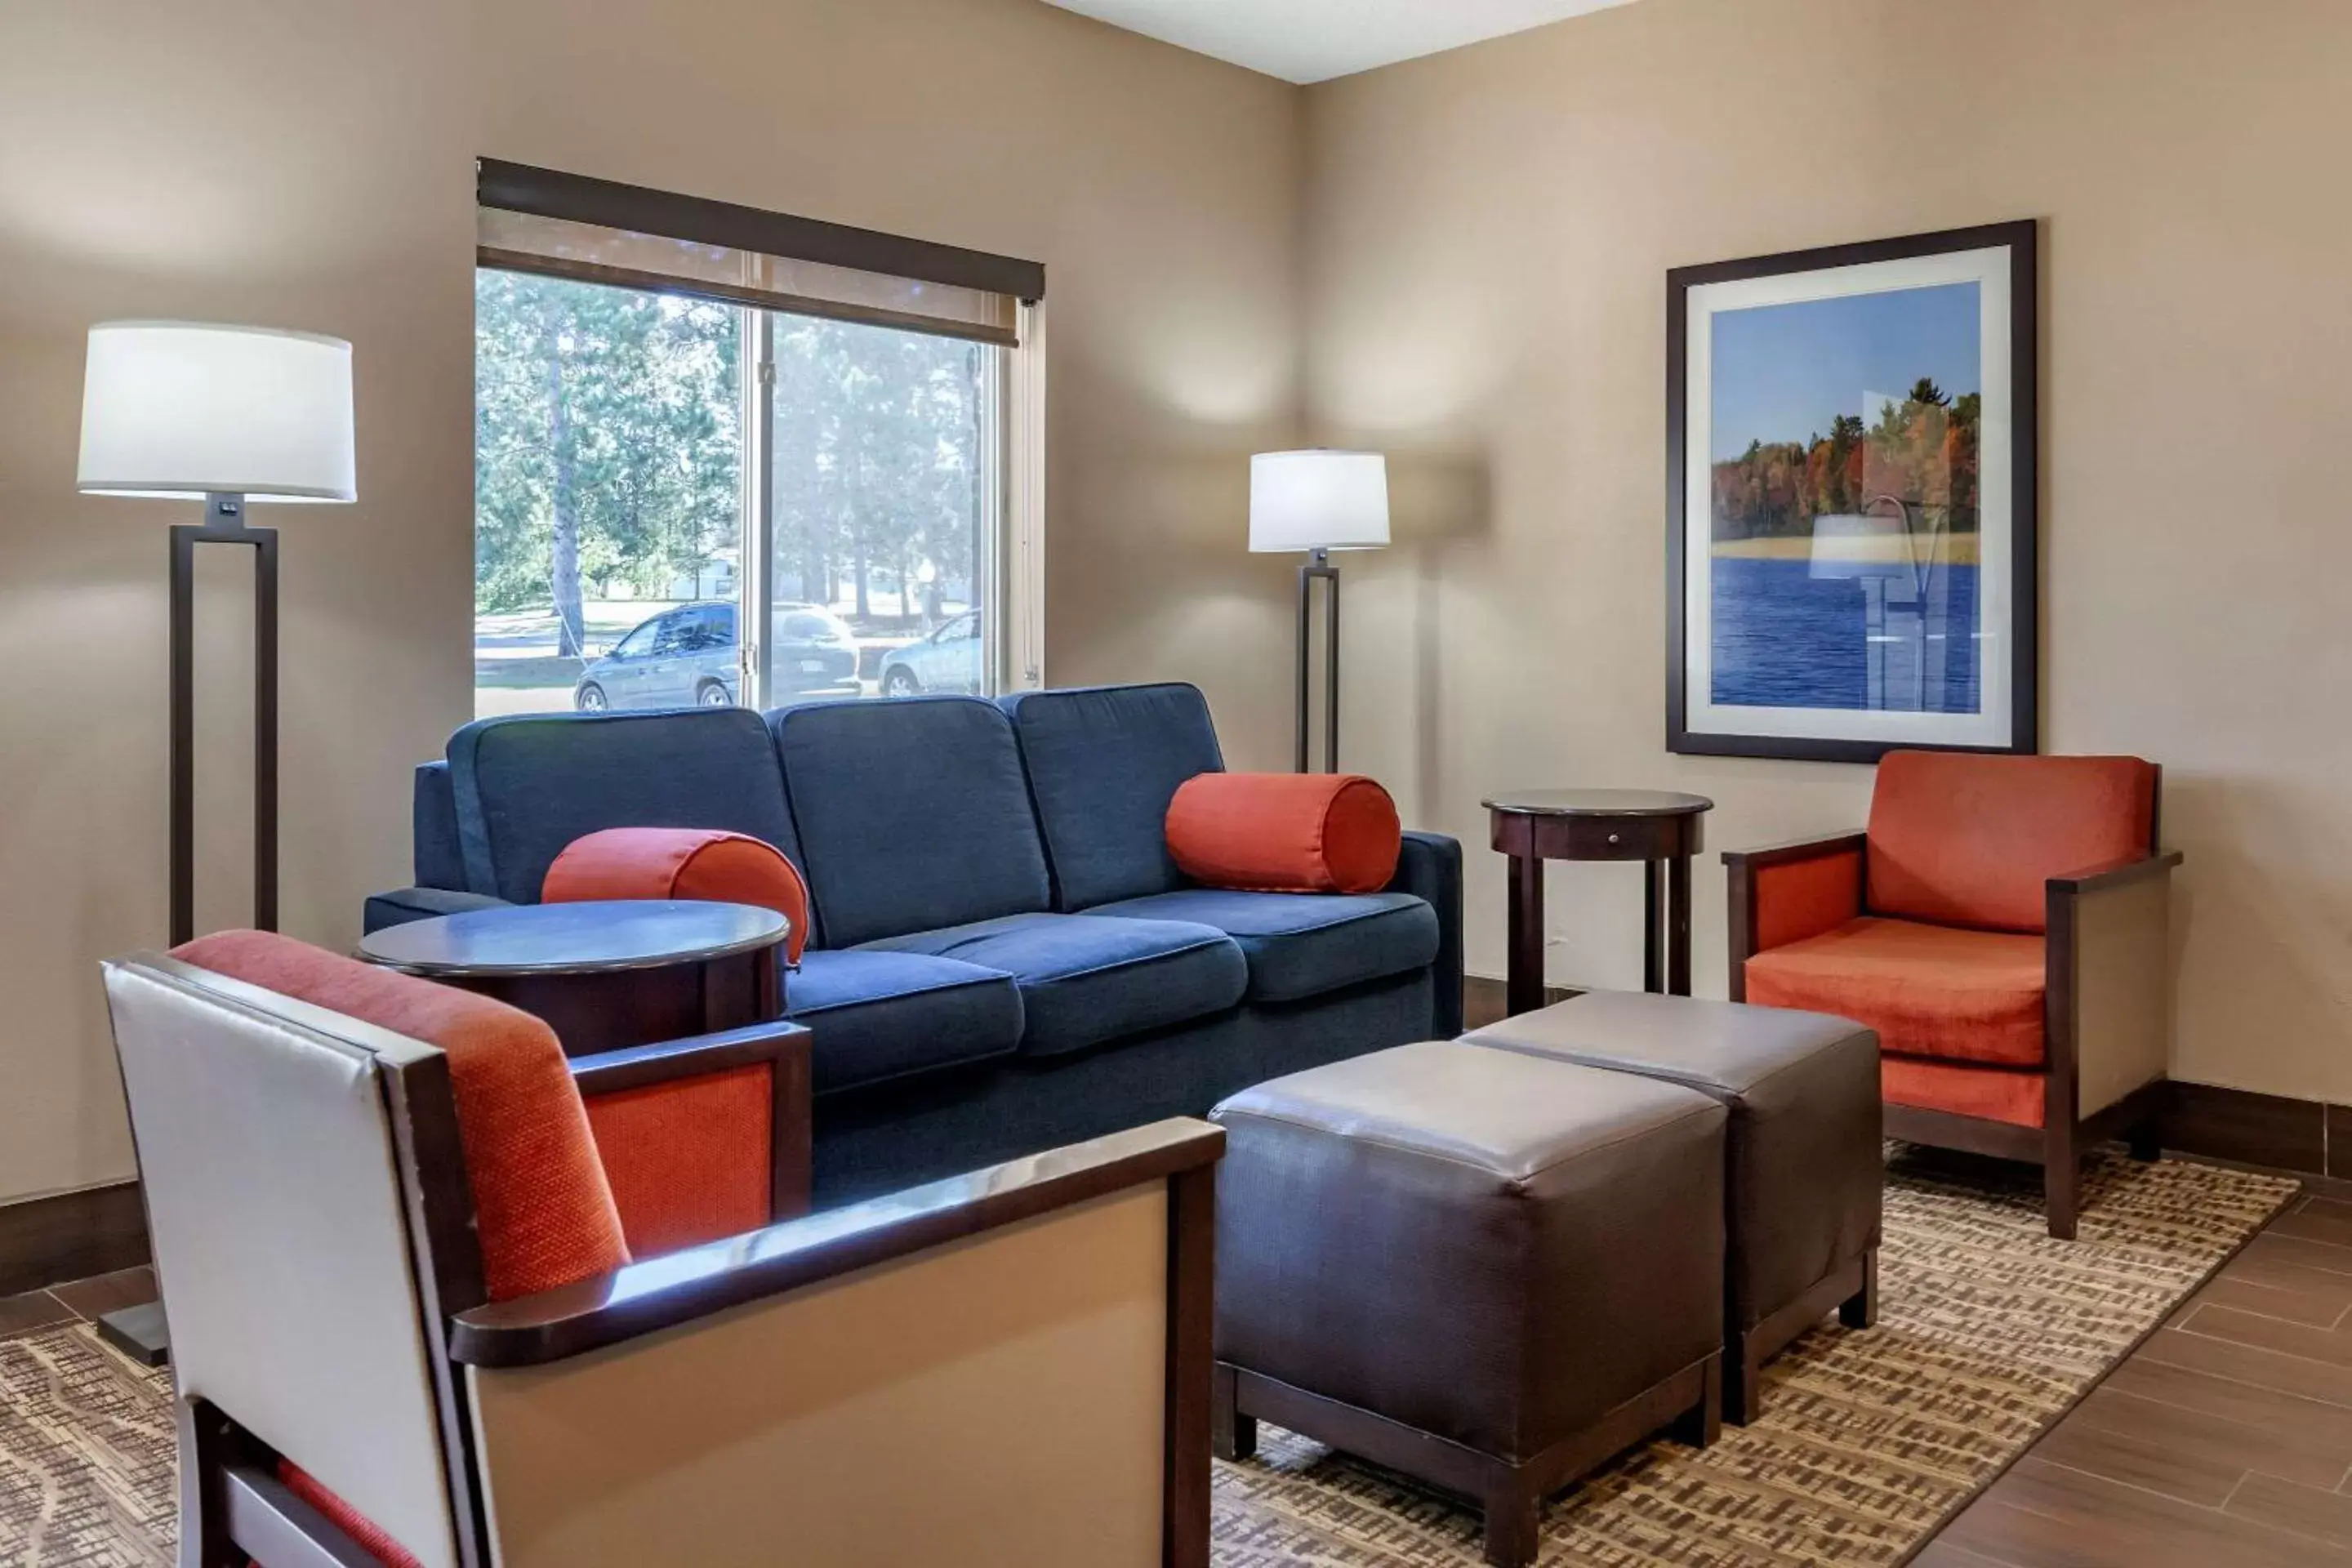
x: 1104, y: 762
x: 913, y: 815
x: 1958, y: 838
x: 526, y: 786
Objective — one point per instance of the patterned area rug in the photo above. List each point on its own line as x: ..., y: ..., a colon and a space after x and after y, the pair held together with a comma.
x: 1988, y: 1332
x: 86, y: 1456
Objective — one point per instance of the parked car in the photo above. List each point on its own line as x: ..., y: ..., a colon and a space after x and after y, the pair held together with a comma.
x: 947, y: 661
x: 687, y: 657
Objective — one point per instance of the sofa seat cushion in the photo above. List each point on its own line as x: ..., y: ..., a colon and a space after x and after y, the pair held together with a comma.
x: 1085, y: 979
x: 1303, y: 944
x: 1937, y: 991
x: 877, y: 1015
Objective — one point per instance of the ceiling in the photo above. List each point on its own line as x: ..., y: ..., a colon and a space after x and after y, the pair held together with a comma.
x: 1314, y: 40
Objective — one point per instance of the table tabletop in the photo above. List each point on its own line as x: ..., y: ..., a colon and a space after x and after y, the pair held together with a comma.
x: 587, y: 937
x: 1598, y: 802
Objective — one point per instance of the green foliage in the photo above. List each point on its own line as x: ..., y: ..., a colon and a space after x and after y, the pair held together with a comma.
x: 1921, y: 451
x: 609, y: 446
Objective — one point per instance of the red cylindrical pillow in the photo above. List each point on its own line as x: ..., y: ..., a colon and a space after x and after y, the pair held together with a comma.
x: 1284, y: 833
x: 681, y: 863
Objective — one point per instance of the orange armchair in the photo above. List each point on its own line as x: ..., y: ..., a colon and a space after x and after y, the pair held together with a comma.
x: 2003, y: 926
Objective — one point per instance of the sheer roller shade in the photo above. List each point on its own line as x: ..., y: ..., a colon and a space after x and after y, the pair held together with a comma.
x: 539, y: 220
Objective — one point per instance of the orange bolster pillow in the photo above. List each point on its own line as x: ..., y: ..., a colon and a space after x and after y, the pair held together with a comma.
x: 681, y: 863
x: 1284, y: 833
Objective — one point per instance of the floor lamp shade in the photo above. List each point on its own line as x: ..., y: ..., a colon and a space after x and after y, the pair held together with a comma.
x: 191, y: 409
x: 1318, y: 500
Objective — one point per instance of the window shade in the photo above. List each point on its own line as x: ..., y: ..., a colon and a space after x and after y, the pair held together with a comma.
x: 538, y: 220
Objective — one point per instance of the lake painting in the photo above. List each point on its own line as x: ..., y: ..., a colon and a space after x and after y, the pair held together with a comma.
x: 1852, y: 544
x: 1845, y: 517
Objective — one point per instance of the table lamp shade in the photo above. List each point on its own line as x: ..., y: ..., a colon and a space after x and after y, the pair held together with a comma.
x: 1318, y: 500
x: 184, y: 408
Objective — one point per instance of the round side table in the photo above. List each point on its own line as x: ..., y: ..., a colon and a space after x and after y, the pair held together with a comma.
x: 1659, y: 827
x: 608, y: 973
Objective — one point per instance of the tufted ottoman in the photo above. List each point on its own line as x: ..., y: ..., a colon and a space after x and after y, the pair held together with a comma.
x: 1482, y: 1267
x: 1806, y: 1170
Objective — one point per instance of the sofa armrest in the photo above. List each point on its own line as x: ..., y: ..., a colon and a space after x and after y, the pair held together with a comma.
x: 1429, y: 867
x: 702, y: 1137
x: 2108, y: 994
x: 1786, y: 892
x: 401, y: 905
x: 644, y: 1298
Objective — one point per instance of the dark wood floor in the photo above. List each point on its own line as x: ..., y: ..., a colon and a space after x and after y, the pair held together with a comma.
x: 2224, y: 1442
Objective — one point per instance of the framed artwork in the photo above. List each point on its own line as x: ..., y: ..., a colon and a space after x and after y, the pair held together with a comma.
x: 1851, y: 464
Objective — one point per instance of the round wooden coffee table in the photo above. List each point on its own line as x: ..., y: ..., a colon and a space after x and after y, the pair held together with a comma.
x: 1657, y: 826
x: 608, y: 973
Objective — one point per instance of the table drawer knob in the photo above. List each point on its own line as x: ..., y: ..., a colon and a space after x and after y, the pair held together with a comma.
x: 1613, y: 838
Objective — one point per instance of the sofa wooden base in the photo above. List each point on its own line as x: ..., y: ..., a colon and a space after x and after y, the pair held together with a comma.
x: 1851, y: 1290
x: 1687, y: 1405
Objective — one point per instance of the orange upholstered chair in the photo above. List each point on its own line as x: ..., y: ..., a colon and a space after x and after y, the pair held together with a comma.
x: 414, y: 1322
x: 2003, y: 924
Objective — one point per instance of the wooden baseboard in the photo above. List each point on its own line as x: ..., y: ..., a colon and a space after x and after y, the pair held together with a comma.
x: 2272, y: 1129
x: 1482, y: 1000
x: 71, y: 1236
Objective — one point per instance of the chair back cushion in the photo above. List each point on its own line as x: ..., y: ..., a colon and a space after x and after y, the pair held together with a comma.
x: 543, y: 1212
x: 913, y: 814
x: 1284, y: 833
x: 526, y: 786
x: 1104, y: 762
x: 1960, y: 838
x: 703, y: 863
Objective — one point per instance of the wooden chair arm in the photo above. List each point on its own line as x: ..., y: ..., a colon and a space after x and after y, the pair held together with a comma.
x: 643, y: 1299
x: 1795, y: 850
x: 608, y: 1072
x: 2116, y: 873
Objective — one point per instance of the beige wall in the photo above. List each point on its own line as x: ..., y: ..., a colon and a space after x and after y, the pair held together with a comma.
x: 1488, y: 234
x: 309, y: 165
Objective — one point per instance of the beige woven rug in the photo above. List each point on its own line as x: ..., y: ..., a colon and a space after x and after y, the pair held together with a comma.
x: 1988, y: 1331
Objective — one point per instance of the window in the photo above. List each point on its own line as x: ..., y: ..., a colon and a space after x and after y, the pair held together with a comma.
x: 680, y: 438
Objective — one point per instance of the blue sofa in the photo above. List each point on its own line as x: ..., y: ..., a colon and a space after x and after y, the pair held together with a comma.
x: 1003, y: 956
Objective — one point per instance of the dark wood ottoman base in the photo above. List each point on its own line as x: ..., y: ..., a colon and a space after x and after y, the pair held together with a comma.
x: 1804, y: 1171
x: 1688, y: 1406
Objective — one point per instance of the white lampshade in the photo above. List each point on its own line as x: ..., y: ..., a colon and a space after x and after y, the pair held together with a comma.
x: 185, y: 408
x: 1319, y: 500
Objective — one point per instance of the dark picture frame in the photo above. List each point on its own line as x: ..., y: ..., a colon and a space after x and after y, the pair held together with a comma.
x: 2019, y: 703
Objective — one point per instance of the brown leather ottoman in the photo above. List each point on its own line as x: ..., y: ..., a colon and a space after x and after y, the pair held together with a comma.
x: 1806, y: 1170
x: 1480, y: 1268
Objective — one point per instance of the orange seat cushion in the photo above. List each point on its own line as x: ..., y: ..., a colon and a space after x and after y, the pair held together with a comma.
x: 1929, y: 991
x: 690, y: 1160
x: 544, y: 1213
x: 1964, y: 839
x: 681, y: 863
x: 1284, y: 833
x: 1988, y: 1093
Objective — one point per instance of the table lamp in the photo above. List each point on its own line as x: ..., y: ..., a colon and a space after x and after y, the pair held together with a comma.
x: 222, y: 415
x: 1318, y: 500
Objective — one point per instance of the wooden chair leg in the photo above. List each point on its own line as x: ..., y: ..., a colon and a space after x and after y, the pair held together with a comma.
x: 2062, y: 1190
x: 1860, y: 1310
x: 1513, y: 1519
x: 1232, y: 1434
x: 2147, y: 1139
x: 1742, y: 1379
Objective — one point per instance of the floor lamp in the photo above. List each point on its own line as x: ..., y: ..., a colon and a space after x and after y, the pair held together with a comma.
x: 222, y: 415
x: 1318, y: 500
